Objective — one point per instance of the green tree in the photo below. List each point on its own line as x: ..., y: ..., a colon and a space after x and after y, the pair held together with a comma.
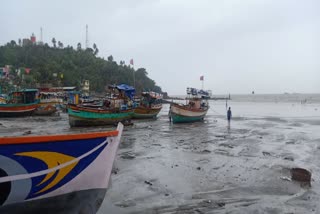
x: 60, y: 44
x: 110, y: 58
x: 79, y: 46
x: 54, y: 42
x: 95, y: 48
x: 13, y: 43
x: 75, y: 65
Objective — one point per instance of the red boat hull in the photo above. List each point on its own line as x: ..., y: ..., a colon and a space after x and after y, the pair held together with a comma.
x: 21, y: 110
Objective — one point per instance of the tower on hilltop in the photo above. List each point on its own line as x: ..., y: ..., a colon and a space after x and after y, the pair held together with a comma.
x: 87, y: 37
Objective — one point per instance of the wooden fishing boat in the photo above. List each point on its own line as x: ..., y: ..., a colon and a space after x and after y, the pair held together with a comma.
x: 149, y: 106
x: 48, y: 104
x: 45, y: 110
x: 56, y: 174
x: 3, y: 99
x: 84, y: 116
x: 116, y: 108
x: 20, y: 103
x: 142, y: 112
x: 195, y: 109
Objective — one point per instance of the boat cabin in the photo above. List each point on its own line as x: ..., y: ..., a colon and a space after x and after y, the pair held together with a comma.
x: 25, y: 96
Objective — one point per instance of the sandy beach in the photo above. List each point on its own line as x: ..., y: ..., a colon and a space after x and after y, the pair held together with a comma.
x: 206, y: 168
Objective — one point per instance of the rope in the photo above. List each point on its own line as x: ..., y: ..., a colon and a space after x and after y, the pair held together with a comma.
x: 218, y: 113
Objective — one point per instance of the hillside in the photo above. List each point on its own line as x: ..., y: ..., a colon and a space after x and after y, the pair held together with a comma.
x: 66, y: 66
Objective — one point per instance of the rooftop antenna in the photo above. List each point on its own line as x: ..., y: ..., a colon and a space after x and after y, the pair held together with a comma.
x: 87, y: 38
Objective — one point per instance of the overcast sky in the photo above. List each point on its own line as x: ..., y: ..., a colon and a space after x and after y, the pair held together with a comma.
x: 269, y: 46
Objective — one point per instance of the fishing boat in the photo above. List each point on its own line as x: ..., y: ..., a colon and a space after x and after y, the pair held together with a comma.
x: 56, y: 174
x: 117, y: 107
x: 149, y: 106
x: 85, y: 116
x: 3, y: 99
x: 194, y: 110
x: 45, y: 110
x: 20, y: 103
x: 49, y: 103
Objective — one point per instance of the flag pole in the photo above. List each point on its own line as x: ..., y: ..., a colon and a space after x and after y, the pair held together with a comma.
x: 134, y: 79
x: 202, y: 79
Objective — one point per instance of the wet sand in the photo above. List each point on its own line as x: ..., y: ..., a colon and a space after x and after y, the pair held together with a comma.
x: 206, y: 168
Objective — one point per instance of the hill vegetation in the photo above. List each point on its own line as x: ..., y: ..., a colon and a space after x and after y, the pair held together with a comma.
x: 66, y: 66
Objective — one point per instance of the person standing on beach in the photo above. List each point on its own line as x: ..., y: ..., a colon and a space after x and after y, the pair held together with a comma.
x: 229, y: 115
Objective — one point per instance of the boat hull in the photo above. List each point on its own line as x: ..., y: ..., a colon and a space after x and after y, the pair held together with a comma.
x: 181, y: 114
x: 45, y: 110
x: 17, y: 110
x: 85, y: 201
x: 46, y: 174
x: 144, y: 113
x: 79, y: 116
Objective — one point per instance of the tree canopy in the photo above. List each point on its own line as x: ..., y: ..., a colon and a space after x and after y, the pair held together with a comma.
x: 66, y: 66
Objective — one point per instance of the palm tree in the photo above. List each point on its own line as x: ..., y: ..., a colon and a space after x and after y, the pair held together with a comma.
x: 54, y: 42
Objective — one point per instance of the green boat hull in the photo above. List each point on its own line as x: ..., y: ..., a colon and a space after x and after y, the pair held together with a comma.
x: 87, y: 118
x: 144, y: 116
x: 184, y: 119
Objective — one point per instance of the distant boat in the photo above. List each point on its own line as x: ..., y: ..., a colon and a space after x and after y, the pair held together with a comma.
x: 45, y: 110
x: 57, y: 173
x: 195, y: 110
x: 49, y: 102
x: 116, y: 108
x: 20, y: 103
x: 149, y: 106
x: 3, y: 99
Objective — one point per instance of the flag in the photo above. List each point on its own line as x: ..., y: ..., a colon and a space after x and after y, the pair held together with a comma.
x: 201, y: 78
x: 27, y: 70
x: 131, y: 61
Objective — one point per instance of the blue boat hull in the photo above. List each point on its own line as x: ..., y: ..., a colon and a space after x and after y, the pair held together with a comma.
x: 85, y: 201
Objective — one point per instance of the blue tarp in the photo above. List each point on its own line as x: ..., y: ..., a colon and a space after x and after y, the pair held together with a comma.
x: 128, y: 90
x: 203, y: 93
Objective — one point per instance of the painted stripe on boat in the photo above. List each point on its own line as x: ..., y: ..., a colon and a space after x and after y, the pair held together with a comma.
x: 13, y: 111
x: 51, y: 138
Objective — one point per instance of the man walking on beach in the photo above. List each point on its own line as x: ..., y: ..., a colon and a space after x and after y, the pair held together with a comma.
x: 229, y: 115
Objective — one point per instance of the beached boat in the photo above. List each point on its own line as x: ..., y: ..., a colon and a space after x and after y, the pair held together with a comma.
x: 195, y: 109
x: 56, y: 174
x: 84, y: 116
x: 149, y: 106
x: 3, y: 99
x: 45, y: 110
x: 20, y: 103
x: 116, y: 108
x: 48, y: 105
